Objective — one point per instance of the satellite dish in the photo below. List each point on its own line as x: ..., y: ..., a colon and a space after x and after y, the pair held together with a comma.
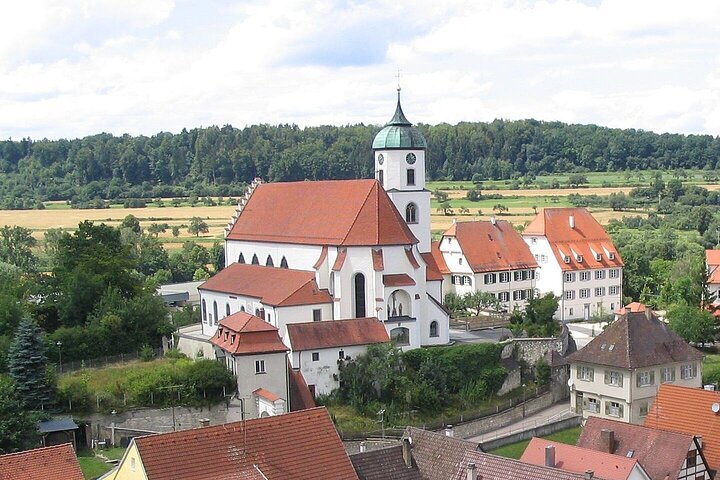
x: 715, y: 407
x: 570, y: 382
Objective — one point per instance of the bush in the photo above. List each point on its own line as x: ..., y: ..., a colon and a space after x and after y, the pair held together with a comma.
x: 147, y: 353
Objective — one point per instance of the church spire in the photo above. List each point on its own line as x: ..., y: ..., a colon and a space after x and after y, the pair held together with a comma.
x: 399, y: 117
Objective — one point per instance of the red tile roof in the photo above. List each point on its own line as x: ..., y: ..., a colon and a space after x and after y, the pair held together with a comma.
x: 300, y: 396
x: 336, y: 333
x: 490, y: 248
x: 586, y: 238
x: 301, y: 445
x: 411, y: 258
x: 661, y: 453
x: 688, y: 410
x: 432, y: 270
x: 334, y: 212
x: 58, y: 461
x: 633, y: 307
x: 261, y: 392
x: 438, y: 257
x: 398, y: 280
x: 579, y: 460
x: 340, y: 260
x: 244, y: 334
x: 280, y: 287
x: 635, y: 341
x: 378, y: 260
x: 712, y: 257
x: 321, y: 258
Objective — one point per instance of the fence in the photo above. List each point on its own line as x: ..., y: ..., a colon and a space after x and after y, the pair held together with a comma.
x: 75, y: 365
x: 394, y: 431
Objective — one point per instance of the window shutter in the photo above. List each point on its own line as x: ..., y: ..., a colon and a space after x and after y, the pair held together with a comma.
x: 620, y: 410
x: 652, y: 377
x: 592, y: 374
x: 620, y: 379
x: 585, y: 403
x: 607, y: 377
x: 694, y: 370
x: 672, y: 373
x: 638, y: 379
x: 607, y: 408
x: 577, y: 372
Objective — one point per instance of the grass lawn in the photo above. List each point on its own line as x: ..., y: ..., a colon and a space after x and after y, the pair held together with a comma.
x: 711, y: 368
x: 515, y: 450
x: 104, y: 379
x: 92, y: 466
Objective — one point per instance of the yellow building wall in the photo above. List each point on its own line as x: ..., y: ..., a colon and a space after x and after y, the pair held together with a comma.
x: 130, y: 467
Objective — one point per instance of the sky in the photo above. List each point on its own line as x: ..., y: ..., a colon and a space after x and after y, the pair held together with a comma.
x: 73, y: 68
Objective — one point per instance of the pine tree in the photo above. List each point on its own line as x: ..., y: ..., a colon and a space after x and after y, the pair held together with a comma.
x: 27, y: 363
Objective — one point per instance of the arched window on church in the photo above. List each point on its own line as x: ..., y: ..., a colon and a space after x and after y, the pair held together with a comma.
x: 359, y: 292
x: 283, y: 263
x: 215, y: 312
x: 411, y: 213
x: 227, y: 309
x: 400, y: 335
x: 242, y: 308
x: 255, y: 260
x: 434, y: 329
x: 241, y: 258
x: 269, y: 262
x: 204, y: 311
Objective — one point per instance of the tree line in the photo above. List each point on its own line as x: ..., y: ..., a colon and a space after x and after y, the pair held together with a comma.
x: 220, y: 160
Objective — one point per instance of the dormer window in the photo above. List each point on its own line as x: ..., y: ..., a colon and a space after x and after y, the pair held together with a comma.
x: 579, y: 258
x: 611, y: 255
x: 232, y: 339
x: 566, y: 259
x: 598, y: 257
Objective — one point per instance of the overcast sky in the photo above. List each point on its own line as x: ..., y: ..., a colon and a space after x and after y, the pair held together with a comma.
x: 74, y: 68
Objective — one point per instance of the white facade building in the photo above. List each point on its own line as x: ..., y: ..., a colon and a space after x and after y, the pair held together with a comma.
x: 578, y: 263
x: 487, y: 257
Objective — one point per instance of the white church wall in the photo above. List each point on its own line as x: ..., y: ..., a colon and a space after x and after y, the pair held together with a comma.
x: 323, y: 373
x: 301, y: 314
x: 299, y: 257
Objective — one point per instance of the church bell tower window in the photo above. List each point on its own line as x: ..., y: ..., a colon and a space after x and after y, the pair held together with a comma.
x: 411, y: 177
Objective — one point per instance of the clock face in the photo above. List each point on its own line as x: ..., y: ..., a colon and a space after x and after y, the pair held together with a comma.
x: 381, y: 159
x: 410, y: 158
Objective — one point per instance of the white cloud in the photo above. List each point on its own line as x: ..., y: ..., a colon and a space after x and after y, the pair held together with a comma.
x: 140, y: 67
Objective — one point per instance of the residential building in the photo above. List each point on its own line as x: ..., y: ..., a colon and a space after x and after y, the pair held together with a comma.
x: 663, y: 454
x: 425, y: 455
x: 301, y: 445
x: 617, y: 374
x: 58, y: 461
x: 487, y: 257
x: 578, y: 263
x: 580, y: 460
x: 318, y: 348
x: 712, y: 260
x: 693, y: 411
x: 253, y: 351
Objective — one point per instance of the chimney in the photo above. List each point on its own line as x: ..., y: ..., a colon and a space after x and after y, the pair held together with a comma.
x: 407, y: 454
x: 571, y: 220
x: 589, y: 474
x: 362, y: 447
x: 607, y: 440
x: 471, y: 472
x: 550, y: 456
x: 493, y: 220
x: 648, y: 313
x: 204, y: 422
x: 454, y: 221
x: 449, y: 432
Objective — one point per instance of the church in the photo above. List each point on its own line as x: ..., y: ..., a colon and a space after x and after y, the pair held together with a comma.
x: 300, y: 252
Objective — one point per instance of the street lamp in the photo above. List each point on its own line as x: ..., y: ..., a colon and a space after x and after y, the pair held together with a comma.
x: 59, y: 345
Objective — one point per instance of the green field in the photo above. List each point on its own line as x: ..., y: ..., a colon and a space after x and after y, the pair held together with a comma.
x: 515, y: 450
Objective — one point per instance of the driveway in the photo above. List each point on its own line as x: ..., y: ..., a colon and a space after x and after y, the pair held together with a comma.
x: 554, y: 413
x: 479, y: 336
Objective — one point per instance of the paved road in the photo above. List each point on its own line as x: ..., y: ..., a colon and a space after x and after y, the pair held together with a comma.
x: 550, y: 414
x: 479, y: 336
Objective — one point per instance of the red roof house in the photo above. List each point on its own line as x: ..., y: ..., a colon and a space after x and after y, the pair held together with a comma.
x: 58, y: 461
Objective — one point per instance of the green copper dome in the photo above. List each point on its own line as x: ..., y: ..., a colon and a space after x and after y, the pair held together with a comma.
x: 399, y: 133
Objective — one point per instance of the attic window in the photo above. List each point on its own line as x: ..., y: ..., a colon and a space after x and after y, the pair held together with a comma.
x: 598, y: 257
x: 226, y: 336
x: 579, y: 258
x: 219, y: 332
x: 611, y: 255
x: 232, y: 339
x: 566, y: 259
x: 630, y: 453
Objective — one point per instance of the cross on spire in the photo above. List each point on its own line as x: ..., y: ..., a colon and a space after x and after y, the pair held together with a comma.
x: 398, y: 82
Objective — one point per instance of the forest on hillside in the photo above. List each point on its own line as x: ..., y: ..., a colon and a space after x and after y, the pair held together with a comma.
x: 220, y: 160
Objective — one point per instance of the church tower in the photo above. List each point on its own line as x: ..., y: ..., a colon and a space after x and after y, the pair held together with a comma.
x: 399, y: 150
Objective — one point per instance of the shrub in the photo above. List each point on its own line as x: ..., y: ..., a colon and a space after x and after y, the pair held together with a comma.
x: 147, y: 353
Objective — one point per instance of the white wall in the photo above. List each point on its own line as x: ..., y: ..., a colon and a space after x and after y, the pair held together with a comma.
x: 274, y: 380
x: 323, y: 372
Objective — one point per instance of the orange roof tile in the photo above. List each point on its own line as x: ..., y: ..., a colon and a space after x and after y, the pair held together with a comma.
x: 261, y: 392
x: 411, y: 258
x: 334, y: 212
x: 661, y: 453
x: 712, y: 257
x: 554, y: 224
x: 339, y: 260
x: 688, y: 410
x: 321, y: 258
x: 579, y: 460
x: 336, y: 333
x: 244, y: 334
x: 280, y: 287
x: 489, y: 247
x: 633, y: 307
x: 398, y: 280
x: 432, y: 269
x: 58, y: 461
x: 438, y: 257
x: 378, y: 260
x: 301, y: 445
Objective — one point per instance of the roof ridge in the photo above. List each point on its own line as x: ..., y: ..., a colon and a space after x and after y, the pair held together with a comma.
x: 357, y: 214
x: 32, y: 450
x: 297, y: 289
